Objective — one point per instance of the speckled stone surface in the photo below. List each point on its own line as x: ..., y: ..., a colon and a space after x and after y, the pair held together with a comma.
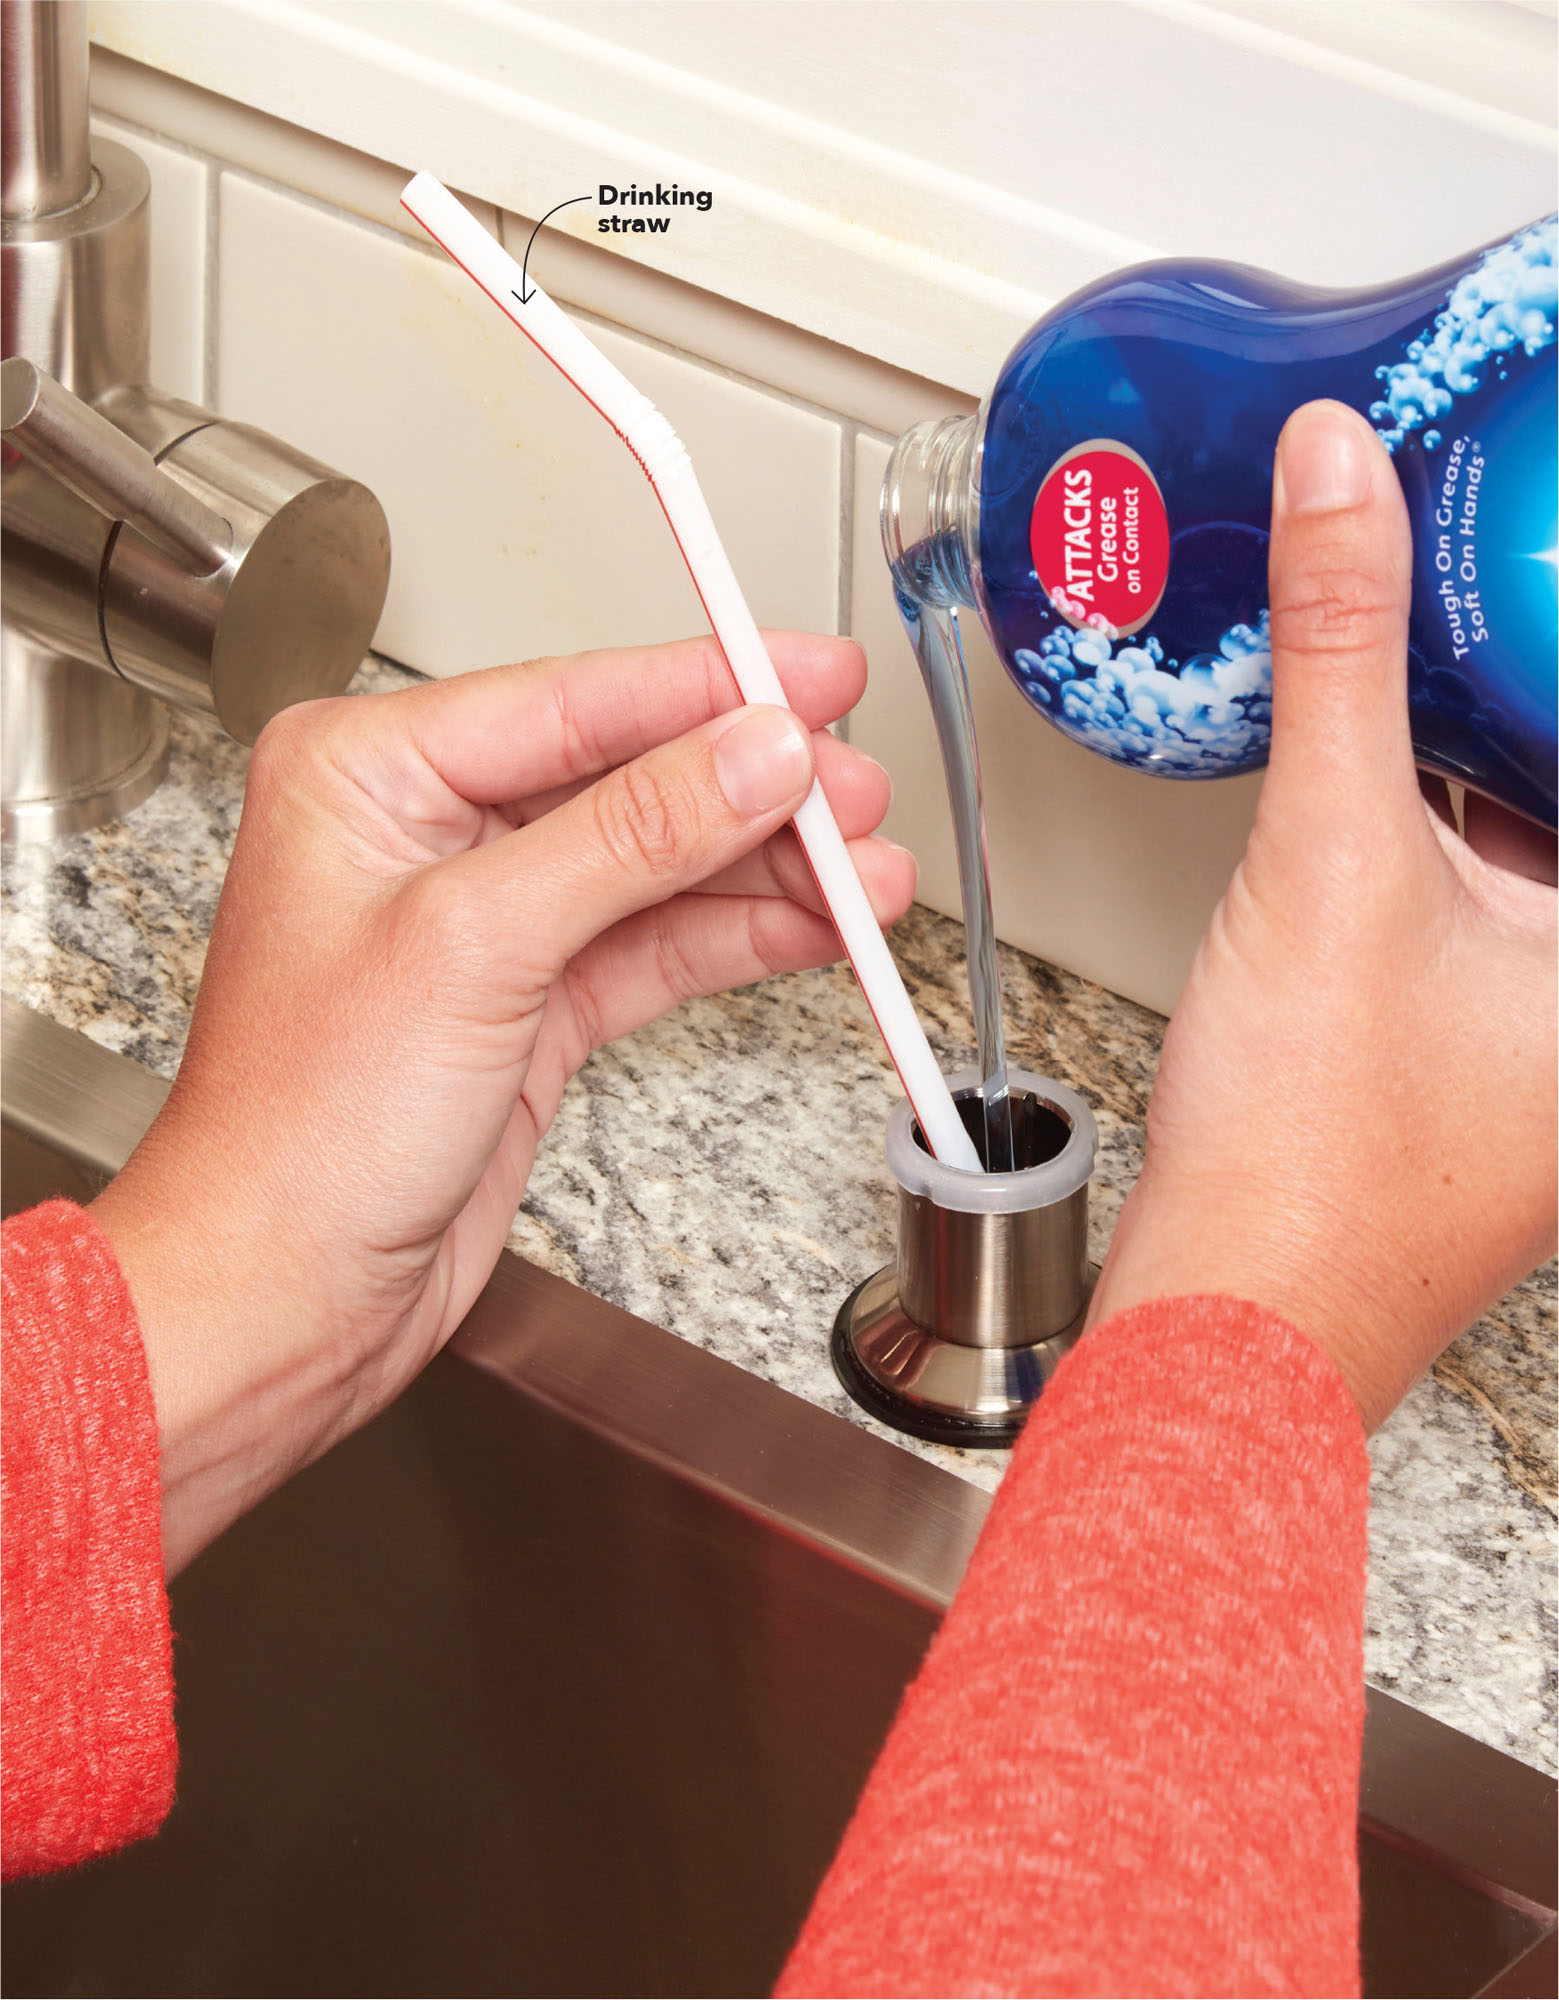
x: 720, y: 1173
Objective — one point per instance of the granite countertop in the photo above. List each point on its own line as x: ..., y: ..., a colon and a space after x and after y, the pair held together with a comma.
x: 720, y: 1173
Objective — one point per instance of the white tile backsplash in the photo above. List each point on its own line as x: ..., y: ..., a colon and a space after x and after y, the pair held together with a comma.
x: 519, y: 524
x: 1103, y: 870
x: 574, y: 268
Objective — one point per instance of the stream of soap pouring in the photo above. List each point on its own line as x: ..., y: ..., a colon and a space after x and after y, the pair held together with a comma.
x: 933, y: 632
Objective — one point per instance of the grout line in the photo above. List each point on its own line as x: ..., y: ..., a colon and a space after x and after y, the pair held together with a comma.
x: 846, y: 525
x: 846, y: 549
x: 210, y: 386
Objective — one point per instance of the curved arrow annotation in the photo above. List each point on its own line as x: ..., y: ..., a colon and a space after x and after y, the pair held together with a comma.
x: 527, y: 290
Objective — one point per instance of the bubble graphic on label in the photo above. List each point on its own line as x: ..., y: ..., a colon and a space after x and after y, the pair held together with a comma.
x: 1509, y: 302
x: 1211, y: 714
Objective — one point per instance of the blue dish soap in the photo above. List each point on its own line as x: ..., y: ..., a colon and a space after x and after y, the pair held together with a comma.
x: 1107, y: 510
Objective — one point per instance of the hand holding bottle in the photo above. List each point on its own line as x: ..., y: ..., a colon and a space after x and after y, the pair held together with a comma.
x: 1106, y: 511
x: 1354, y: 1117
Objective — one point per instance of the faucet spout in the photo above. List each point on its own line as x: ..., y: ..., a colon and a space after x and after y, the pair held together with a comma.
x: 43, y: 132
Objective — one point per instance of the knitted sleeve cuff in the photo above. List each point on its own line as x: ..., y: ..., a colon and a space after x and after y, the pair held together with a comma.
x: 87, y: 1705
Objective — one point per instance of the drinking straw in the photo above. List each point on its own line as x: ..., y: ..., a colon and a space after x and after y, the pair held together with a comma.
x: 670, y: 472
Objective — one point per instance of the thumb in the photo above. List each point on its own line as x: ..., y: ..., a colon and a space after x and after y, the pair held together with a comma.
x: 1340, y: 581
x: 646, y: 831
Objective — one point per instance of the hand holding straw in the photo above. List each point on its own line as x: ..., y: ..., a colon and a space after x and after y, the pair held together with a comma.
x: 670, y: 472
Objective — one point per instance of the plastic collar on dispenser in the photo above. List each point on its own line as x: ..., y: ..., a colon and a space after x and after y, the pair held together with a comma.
x: 956, y: 1338
x: 1049, y: 1180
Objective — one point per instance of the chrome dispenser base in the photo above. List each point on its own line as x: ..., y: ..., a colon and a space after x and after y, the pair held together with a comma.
x: 939, y: 1389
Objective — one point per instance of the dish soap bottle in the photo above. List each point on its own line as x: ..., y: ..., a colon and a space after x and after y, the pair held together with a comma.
x: 1107, y: 510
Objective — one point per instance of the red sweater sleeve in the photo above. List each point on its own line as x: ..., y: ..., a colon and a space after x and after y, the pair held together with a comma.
x: 1130, y: 1762
x: 86, y: 1672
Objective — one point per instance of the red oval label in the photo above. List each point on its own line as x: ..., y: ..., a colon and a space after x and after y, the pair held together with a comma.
x: 1099, y: 535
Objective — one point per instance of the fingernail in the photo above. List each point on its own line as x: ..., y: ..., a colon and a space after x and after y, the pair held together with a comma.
x: 763, y: 760
x: 1324, y: 461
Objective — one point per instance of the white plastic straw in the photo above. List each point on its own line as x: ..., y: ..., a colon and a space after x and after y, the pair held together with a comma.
x: 660, y: 452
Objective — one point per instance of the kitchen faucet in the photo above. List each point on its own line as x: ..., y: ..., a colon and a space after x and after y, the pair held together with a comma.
x: 153, y: 552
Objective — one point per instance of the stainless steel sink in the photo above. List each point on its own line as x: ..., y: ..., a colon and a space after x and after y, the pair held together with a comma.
x: 562, y: 1676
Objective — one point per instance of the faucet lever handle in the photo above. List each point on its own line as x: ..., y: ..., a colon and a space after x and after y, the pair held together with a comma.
x: 111, y: 472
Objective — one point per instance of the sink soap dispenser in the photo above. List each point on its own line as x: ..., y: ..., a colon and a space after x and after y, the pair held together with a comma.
x: 1107, y: 510
x: 990, y: 1284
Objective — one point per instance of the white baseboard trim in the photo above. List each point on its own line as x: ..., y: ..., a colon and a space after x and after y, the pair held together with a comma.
x: 933, y: 271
